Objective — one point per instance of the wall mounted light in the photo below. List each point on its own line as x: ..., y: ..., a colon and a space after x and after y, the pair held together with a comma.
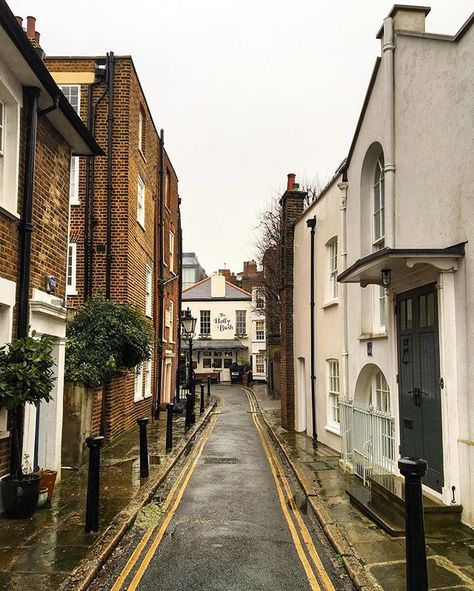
x: 386, y: 277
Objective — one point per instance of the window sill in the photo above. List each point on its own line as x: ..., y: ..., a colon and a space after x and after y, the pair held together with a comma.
x: 142, y: 154
x: 141, y: 225
x: 74, y: 202
x: 4, y: 434
x: 333, y: 429
x: 148, y: 395
x: 13, y: 215
x: 148, y: 315
x: 373, y: 336
x: 330, y: 304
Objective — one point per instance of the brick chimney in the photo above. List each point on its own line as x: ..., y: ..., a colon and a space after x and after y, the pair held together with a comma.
x: 250, y: 269
x: 292, y: 206
x: 32, y: 33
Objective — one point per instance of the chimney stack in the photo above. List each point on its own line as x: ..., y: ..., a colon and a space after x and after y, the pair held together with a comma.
x: 291, y: 181
x: 32, y: 33
x: 19, y: 20
x: 30, y: 27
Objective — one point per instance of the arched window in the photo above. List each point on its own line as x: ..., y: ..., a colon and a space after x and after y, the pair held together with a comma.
x: 379, y: 396
x: 379, y: 204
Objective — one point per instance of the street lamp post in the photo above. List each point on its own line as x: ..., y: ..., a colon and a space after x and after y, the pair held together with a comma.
x: 188, y: 324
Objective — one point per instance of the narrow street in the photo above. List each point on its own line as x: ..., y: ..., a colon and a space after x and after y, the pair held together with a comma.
x: 233, y: 518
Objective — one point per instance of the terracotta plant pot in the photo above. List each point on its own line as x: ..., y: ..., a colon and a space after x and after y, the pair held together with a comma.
x: 48, y: 480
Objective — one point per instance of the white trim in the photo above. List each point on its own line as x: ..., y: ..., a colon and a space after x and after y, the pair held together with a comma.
x: 148, y: 374
x: 149, y: 291
x: 66, y: 90
x: 171, y: 245
x: 71, y: 269
x: 74, y: 181
x: 138, y: 391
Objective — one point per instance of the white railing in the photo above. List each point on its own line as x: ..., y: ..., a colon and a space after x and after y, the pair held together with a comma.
x: 368, y: 441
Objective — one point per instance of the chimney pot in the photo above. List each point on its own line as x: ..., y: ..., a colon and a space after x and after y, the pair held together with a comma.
x: 19, y: 20
x: 37, y: 37
x: 291, y: 181
x: 30, y: 27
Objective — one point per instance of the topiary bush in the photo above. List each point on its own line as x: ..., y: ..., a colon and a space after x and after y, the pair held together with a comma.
x: 105, y: 339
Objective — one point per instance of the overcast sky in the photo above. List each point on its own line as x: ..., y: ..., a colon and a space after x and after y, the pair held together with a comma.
x: 246, y: 90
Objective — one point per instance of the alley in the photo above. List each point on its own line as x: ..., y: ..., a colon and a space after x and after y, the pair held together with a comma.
x: 230, y: 521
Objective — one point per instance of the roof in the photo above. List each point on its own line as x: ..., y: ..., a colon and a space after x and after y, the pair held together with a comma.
x: 201, y: 291
x: 30, y: 70
x: 207, y: 344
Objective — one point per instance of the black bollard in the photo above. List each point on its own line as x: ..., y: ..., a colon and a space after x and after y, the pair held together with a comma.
x: 93, y: 484
x: 201, y: 408
x: 208, y: 385
x: 142, y: 423
x: 169, y: 427
x: 189, y: 402
x: 416, y: 568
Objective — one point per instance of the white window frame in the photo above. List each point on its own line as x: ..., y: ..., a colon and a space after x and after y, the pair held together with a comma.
x: 148, y: 375
x: 380, y: 392
x: 259, y: 297
x: 261, y: 357
x: 260, y: 332
x: 207, y: 333
x: 7, y: 304
x: 74, y: 181
x: 66, y: 90
x: 239, y: 323
x: 138, y: 393
x: 149, y: 291
x: 71, y: 269
x: 378, y: 204
x: 332, y: 269
x: 171, y: 245
x: 333, y: 384
x: 2, y: 127
x: 10, y: 147
x: 171, y: 321
x: 141, y: 202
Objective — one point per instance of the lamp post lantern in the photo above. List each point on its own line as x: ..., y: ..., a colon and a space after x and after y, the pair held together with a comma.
x: 188, y: 325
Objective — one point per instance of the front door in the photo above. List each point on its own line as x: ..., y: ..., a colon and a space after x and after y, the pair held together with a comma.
x: 419, y: 380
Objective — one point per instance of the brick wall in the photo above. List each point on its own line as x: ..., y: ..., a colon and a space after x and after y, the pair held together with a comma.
x: 292, y: 204
x: 133, y: 247
x: 50, y: 223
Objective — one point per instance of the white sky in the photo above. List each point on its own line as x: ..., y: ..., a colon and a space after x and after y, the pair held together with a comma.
x: 246, y: 90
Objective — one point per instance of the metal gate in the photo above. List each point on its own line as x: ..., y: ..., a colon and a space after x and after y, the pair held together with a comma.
x: 368, y: 441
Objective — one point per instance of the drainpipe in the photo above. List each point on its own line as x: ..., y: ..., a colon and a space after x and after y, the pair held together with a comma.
x: 343, y: 249
x: 311, y: 223
x: 110, y: 124
x: 25, y: 229
x: 161, y: 255
x: 388, y: 49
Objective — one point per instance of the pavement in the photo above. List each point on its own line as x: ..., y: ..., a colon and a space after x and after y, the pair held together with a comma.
x: 50, y: 550
x: 229, y: 531
x: 374, y: 559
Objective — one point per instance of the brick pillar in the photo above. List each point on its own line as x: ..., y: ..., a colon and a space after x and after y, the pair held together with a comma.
x: 292, y: 206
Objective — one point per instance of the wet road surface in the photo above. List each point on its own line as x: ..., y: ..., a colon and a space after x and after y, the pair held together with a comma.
x: 230, y: 521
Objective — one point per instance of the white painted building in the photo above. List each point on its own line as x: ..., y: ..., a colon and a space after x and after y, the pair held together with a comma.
x: 223, y: 329
x: 408, y: 226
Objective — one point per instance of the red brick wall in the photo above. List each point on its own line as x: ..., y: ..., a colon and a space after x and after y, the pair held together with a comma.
x: 50, y: 223
x: 133, y: 248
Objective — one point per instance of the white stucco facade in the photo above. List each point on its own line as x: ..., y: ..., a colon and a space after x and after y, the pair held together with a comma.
x: 224, y: 324
x: 403, y: 214
x: 328, y: 318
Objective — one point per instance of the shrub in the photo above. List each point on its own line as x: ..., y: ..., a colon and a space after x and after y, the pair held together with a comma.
x: 105, y: 339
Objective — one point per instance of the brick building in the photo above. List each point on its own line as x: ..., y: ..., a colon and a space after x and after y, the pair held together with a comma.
x: 124, y: 231
x: 38, y: 133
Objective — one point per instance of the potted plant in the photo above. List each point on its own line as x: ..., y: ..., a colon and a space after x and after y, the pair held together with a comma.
x: 26, y: 376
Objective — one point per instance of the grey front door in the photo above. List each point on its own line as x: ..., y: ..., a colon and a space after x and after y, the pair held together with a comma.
x: 419, y: 380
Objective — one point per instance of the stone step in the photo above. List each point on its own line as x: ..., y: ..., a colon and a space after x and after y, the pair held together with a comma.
x: 383, y: 501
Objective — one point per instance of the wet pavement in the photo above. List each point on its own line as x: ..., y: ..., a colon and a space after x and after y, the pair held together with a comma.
x: 41, y: 553
x: 450, y: 557
x: 229, y: 531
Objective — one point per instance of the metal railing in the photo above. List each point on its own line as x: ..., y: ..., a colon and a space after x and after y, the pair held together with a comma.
x: 368, y: 439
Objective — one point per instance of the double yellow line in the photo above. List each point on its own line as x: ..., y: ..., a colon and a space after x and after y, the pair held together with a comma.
x: 169, y: 509
x: 316, y: 573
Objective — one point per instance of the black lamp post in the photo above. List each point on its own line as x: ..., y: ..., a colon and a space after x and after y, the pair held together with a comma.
x: 188, y: 324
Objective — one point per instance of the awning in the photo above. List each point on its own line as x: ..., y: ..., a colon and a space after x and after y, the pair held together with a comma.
x: 368, y: 270
x: 215, y: 344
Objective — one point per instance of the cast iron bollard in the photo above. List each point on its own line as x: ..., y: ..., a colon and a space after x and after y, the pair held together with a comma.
x: 208, y: 385
x: 169, y: 427
x: 142, y: 423
x: 201, y: 408
x: 189, y: 402
x: 416, y: 569
x: 93, y: 484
